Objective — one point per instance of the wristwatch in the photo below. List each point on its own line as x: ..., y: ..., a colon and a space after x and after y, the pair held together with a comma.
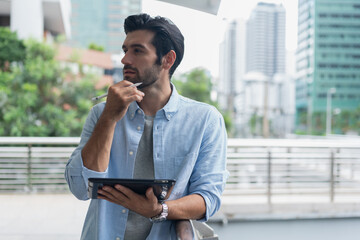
x: 162, y: 216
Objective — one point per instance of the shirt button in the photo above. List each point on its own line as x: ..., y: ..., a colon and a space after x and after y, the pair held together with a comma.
x: 123, y: 211
x: 168, y: 116
x: 131, y: 153
x: 117, y: 238
x: 139, y: 128
x: 132, y: 115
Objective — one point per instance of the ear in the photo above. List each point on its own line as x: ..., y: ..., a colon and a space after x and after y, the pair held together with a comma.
x: 168, y: 60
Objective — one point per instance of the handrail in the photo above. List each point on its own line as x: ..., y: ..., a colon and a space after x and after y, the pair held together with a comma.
x: 258, y: 167
x: 39, y: 140
x: 309, y: 143
x: 273, y: 168
x: 232, y: 142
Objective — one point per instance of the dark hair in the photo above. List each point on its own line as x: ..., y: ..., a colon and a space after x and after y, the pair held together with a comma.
x: 167, y: 36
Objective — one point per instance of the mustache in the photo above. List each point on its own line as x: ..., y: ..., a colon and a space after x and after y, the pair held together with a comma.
x: 127, y: 67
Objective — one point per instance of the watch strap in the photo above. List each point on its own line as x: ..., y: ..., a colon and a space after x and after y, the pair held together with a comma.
x: 162, y: 216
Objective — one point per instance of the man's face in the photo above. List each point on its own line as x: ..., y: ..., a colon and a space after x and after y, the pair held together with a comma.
x: 140, y: 58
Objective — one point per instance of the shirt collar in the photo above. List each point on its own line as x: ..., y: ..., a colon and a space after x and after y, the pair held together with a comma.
x: 169, y: 110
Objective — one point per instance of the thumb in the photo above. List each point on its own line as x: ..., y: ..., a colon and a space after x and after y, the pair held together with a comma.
x: 150, y: 193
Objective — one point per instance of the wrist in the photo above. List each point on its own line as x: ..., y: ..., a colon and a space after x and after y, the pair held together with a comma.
x: 158, y: 210
x: 162, y: 216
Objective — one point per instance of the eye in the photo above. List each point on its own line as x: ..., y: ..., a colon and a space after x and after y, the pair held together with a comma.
x: 137, y: 50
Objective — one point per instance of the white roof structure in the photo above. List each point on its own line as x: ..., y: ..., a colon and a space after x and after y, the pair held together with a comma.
x: 208, y: 6
x: 32, y: 18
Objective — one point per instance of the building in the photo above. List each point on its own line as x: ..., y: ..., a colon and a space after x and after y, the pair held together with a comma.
x: 268, y: 105
x: 231, y: 72
x: 266, y: 40
x: 101, y: 22
x: 232, y: 64
x: 253, y: 83
x: 38, y: 19
x: 83, y: 61
x: 328, y: 60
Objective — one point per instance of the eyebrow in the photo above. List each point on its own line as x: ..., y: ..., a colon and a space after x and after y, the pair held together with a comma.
x: 134, y: 46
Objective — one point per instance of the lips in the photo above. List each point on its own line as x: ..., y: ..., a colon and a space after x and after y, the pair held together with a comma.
x: 129, y: 71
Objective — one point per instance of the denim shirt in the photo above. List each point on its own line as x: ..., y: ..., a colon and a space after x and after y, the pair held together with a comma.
x: 189, y: 140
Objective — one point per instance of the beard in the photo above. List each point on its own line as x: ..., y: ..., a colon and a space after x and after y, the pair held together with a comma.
x: 149, y: 77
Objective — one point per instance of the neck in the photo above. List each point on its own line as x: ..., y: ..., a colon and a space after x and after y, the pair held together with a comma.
x: 156, y: 97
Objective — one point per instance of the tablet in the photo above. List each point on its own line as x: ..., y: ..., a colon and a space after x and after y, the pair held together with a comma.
x: 162, y: 187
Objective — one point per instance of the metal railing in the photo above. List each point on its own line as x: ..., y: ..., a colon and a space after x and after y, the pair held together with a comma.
x: 258, y: 167
x: 286, y: 167
x: 34, y: 164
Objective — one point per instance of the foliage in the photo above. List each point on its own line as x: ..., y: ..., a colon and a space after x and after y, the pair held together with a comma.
x: 40, y: 98
x: 11, y: 48
x: 346, y: 122
x: 197, y: 85
x: 94, y: 46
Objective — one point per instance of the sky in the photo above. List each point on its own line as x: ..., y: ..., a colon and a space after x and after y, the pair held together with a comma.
x: 203, y: 32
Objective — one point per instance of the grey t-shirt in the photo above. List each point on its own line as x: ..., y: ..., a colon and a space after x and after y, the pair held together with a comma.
x: 138, y: 227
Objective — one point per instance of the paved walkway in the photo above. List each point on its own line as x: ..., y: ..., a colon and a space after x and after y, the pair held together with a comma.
x: 41, y: 216
x: 61, y: 216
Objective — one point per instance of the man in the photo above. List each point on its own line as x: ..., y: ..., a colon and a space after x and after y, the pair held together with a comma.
x: 149, y: 132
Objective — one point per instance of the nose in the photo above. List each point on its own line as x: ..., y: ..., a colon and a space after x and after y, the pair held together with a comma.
x: 126, y: 59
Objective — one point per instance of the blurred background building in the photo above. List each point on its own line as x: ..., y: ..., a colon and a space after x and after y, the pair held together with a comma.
x: 328, y: 67
x: 253, y: 84
x: 101, y: 22
x: 38, y: 19
x: 231, y: 70
x: 266, y: 40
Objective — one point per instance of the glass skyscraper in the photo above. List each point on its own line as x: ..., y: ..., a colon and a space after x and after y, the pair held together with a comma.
x: 101, y: 22
x: 265, y: 47
x: 328, y: 59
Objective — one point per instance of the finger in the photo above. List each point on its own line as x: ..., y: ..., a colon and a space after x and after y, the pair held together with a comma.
x: 124, y: 83
x: 110, y: 200
x: 126, y: 191
x: 150, y: 193
x: 105, y: 193
x: 132, y: 98
x: 123, y: 89
x: 133, y: 94
x: 113, y: 194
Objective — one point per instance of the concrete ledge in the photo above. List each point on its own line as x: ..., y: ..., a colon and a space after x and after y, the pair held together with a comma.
x: 285, y: 211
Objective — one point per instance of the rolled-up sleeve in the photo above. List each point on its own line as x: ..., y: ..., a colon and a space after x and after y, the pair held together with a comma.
x: 209, y: 175
x: 76, y: 174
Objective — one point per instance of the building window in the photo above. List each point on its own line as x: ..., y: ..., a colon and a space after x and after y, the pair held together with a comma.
x: 4, y: 21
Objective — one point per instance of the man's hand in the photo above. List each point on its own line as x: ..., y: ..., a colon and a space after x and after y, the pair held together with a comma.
x: 147, y: 206
x: 96, y: 152
x: 120, y: 95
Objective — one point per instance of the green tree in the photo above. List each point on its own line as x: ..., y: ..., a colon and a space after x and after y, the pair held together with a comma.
x: 11, y: 48
x: 94, y: 46
x: 346, y: 122
x: 40, y: 98
x: 196, y: 84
